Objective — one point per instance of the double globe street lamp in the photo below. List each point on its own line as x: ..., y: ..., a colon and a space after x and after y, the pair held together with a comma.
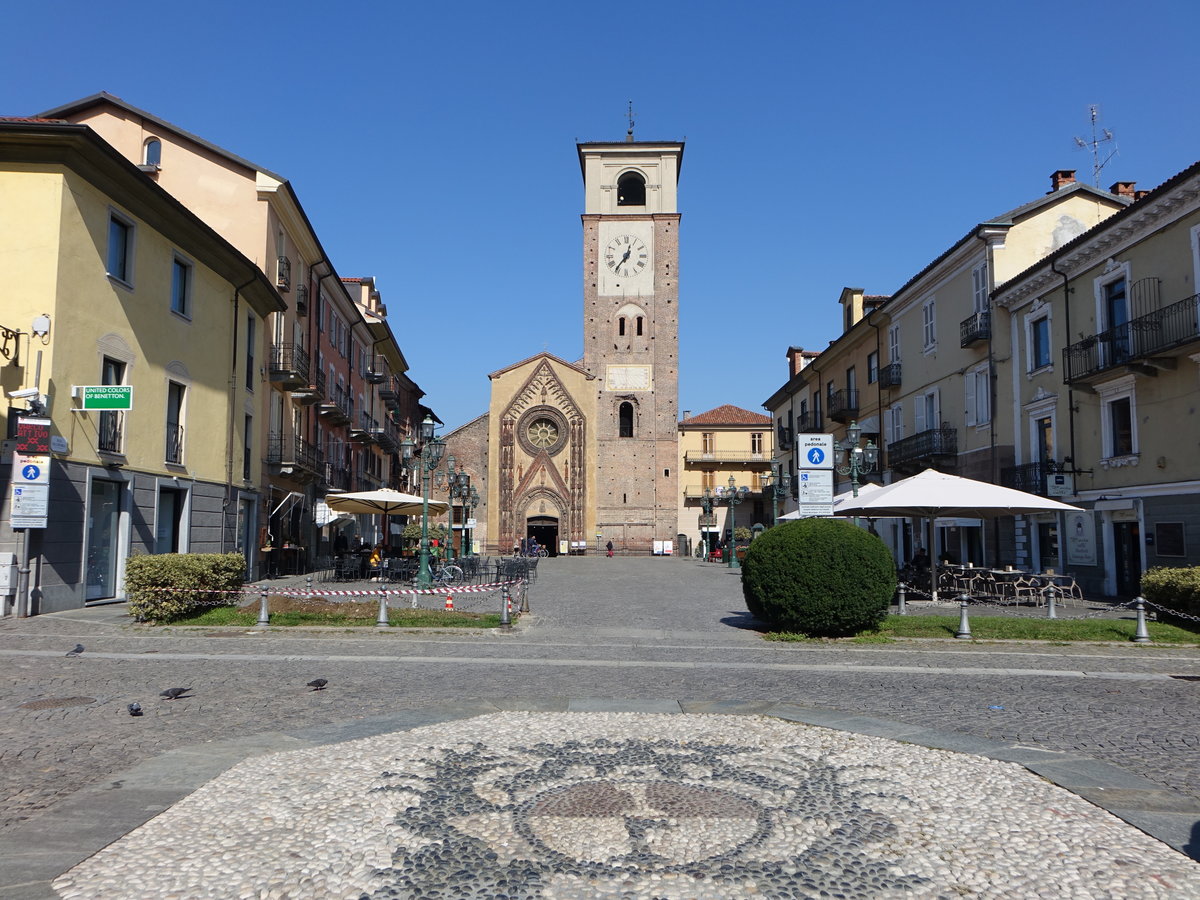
x: 778, y: 483
x: 857, y: 460
x: 423, y: 456
x: 733, y: 495
x: 458, y: 487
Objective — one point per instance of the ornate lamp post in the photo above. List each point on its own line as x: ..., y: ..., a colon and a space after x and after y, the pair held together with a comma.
x: 778, y: 483
x: 734, y: 496
x: 458, y: 487
x: 423, y: 457
x: 470, y: 501
x: 448, y: 476
x: 858, y: 460
x: 708, y: 519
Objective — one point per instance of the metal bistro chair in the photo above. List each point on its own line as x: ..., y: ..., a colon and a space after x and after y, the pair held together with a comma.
x: 401, y: 569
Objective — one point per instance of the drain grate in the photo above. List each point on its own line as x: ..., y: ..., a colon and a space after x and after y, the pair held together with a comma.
x: 1186, y: 677
x: 57, y: 702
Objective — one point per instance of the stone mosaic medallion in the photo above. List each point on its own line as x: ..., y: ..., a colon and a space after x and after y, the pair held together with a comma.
x: 599, y: 817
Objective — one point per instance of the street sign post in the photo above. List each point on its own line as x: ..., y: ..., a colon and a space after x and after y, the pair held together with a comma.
x: 30, y: 490
x: 814, y: 451
x: 815, y: 492
x: 103, y: 397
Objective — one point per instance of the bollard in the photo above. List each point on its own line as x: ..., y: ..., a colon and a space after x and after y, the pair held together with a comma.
x: 1051, y: 593
x: 902, y: 591
x: 308, y: 586
x: 964, y: 624
x: 525, y: 596
x: 505, y: 603
x: 264, y: 617
x: 1141, y: 635
x: 414, y: 596
x: 382, y: 620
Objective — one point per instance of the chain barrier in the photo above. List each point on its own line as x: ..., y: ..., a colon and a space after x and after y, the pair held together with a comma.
x: 1051, y: 599
x: 1169, y: 611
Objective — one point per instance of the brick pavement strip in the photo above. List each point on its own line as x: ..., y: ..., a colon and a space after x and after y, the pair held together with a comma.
x: 605, y: 629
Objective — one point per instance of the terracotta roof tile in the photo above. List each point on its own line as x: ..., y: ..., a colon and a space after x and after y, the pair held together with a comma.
x: 728, y: 415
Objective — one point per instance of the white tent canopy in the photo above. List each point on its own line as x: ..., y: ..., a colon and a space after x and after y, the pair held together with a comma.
x: 934, y: 495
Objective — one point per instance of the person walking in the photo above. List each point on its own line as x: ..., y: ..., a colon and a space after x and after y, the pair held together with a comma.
x: 609, y: 545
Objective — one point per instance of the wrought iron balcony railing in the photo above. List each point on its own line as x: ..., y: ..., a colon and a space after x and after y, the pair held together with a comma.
x: 889, y: 375
x: 784, y: 437
x: 843, y: 405
x: 1137, y: 340
x: 174, y: 444
x: 110, y: 430
x: 1030, y: 477
x: 313, y: 392
x: 292, y: 451
x: 289, y: 365
x: 809, y: 423
x: 975, y: 328
x: 924, y: 446
x: 336, y: 406
x: 726, y: 456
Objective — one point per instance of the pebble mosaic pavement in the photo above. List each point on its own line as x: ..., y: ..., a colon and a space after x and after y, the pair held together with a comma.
x: 589, y: 805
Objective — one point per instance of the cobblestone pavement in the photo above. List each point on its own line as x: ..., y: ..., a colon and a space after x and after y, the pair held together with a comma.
x: 621, y: 629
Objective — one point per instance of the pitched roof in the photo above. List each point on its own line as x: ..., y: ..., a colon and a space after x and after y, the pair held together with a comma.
x: 728, y: 415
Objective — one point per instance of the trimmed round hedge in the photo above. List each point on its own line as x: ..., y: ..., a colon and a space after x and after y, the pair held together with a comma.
x: 820, y: 577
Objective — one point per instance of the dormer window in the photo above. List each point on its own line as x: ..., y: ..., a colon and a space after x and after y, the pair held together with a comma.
x: 151, y: 155
x: 631, y: 190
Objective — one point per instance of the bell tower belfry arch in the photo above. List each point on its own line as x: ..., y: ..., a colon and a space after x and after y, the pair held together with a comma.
x: 631, y: 334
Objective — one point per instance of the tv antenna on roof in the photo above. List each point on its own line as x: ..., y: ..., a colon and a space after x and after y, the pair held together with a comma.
x: 629, y: 133
x: 1094, y: 144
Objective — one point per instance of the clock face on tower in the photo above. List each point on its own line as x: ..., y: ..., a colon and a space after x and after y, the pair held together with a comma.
x: 626, y: 256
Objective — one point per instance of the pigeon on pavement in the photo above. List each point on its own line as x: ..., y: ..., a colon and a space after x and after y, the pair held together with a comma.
x: 174, y: 693
x: 76, y: 651
x: 135, y: 709
x: 318, y: 684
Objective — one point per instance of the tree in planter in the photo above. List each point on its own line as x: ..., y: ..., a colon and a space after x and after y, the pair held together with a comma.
x: 820, y: 577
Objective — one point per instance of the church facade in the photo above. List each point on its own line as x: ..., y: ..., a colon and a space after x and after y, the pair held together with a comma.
x: 581, y: 453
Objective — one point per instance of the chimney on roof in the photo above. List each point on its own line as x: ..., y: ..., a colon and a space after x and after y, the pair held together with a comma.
x: 687, y: 414
x: 1123, y: 189
x: 1138, y: 195
x: 796, y: 360
x: 1061, y: 179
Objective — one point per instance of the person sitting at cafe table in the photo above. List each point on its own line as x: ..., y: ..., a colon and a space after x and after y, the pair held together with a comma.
x: 376, y: 555
x: 920, y: 560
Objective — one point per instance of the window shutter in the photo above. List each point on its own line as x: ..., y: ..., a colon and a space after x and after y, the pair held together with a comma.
x: 937, y: 408
x: 969, y: 380
x: 919, y: 416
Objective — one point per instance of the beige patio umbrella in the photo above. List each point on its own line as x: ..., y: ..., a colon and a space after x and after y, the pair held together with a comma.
x: 383, y: 502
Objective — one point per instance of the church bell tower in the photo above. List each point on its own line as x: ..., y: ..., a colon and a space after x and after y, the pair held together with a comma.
x: 631, y: 334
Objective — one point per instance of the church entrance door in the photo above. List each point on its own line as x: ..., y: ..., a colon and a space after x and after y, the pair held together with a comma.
x: 545, y: 530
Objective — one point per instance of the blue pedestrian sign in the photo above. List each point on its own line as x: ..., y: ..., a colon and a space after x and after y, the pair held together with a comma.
x: 31, y: 473
x: 31, y: 468
x: 816, y: 456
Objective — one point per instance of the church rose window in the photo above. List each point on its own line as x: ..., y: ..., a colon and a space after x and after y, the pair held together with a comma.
x: 543, y: 433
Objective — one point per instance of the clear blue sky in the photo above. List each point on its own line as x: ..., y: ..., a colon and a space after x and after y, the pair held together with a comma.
x: 828, y: 144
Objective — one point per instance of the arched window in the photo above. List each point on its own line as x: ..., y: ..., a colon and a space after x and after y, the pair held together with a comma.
x: 639, y: 326
x: 626, y: 416
x: 621, y: 326
x: 631, y: 190
x: 153, y: 152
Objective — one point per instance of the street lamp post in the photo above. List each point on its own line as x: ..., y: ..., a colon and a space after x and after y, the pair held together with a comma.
x: 708, y: 520
x: 424, y: 457
x: 779, y: 483
x: 470, y: 501
x: 858, y: 460
x: 734, y: 496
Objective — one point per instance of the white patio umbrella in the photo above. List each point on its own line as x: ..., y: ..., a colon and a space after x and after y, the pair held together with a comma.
x: 384, y: 502
x: 933, y: 495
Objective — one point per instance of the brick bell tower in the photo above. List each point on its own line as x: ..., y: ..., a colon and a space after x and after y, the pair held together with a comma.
x: 631, y: 334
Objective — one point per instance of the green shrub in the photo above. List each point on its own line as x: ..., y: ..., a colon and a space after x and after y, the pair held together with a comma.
x: 1177, y: 589
x: 820, y: 577
x: 166, y: 586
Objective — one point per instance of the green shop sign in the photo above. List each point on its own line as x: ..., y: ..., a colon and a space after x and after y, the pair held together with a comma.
x: 104, y: 396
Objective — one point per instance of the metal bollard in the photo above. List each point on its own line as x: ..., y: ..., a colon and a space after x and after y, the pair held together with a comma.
x: 1051, y: 593
x: 264, y: 617
x: 524, y: 595
x: 308, y: 586
x: 382, y: 620
x: 903, y: 590
x: 505, y: 600
x: 964, y: 624
x: 1141, y: 635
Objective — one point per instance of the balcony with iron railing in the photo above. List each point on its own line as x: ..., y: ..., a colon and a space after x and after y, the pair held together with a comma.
x: 362, y: 427
x: 809, y: 423
x: 784, y: 437
x: 1032, y: 478
x: 174, y: 444
x: 337, y: 477
x: 889, y: 375
x: 293, y: 456
x: 696, y: 491
x: 1141, y: 342
x: 283, y: 275
x: 748, y: 457
x: 289, y: 366
x: 110, y: 429
x: 313, y: 392
x: 934, y: 445
x: 975, y: 328
x: 387, y: 436
x: 335, y: 407
x: 389, y: 393
x: 843, y: 405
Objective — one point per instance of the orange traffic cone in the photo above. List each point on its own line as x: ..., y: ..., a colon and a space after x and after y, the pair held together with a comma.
x: 450, y: 602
